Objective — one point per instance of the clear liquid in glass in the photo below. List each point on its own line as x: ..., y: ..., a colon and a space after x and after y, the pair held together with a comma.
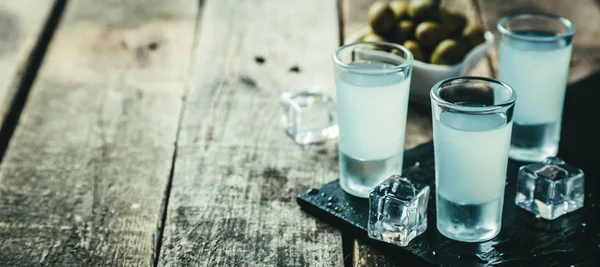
x: 538, y: 72
x: 471, y: 156
x: 372, y: 112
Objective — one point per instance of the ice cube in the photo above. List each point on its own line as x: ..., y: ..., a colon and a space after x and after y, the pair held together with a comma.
x: 398, y: 210
x: 550, y: 189
x: 308, y: 117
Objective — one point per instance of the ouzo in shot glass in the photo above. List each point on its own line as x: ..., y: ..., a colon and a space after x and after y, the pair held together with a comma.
x: 535, y: 52
x: 372, y: 82
x: 472, y: 124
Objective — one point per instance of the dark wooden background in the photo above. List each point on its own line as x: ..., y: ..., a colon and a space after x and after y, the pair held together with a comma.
x: 145, y: 132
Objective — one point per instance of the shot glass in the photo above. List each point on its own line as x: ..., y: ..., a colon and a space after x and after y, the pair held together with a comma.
x: 372, y: 82
x: 535, y: 51
x: 472, y: 124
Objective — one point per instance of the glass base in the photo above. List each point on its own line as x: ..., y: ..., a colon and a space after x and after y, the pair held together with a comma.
x: 469, y: 222
x: 471, y: 236
x: 534, y: 142
x: 359, y: 177
x: 531, y: 154
x: 355, y: 190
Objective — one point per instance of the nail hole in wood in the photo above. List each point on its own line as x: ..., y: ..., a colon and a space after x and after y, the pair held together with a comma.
x: 153, y: 46
x: 260, y: 60
x: 248, y: 81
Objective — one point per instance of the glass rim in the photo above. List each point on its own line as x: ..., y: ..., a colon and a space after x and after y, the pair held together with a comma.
x: 565, y: 22
x: 435, y: 96
x: 397, y: 68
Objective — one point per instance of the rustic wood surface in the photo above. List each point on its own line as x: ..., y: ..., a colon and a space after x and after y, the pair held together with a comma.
x: 84, y: 179
x: 364, y: 255
x: 237, y: 175
x: 152, y: 127
x: 21, y: 25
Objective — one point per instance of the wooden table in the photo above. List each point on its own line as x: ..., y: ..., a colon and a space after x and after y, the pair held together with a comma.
x: 145, y: 132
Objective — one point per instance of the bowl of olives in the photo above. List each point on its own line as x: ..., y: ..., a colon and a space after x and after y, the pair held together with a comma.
x: 442, y: 42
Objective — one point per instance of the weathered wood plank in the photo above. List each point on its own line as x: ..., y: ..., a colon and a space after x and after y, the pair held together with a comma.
x: 236, y: 174
x: 585, y: 14
x: 418, y: 125
x: 21, y: 26
x: 84, y: 178
x: 365, y: 256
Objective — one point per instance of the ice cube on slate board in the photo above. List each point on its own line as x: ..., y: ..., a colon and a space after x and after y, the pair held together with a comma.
x: 550, y: 189
x: 398, y: 210
x: 308, y: 117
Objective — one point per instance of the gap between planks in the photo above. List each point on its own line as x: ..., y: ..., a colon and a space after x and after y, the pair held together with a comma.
x: 75, y: 131
x: 254, y: 220
x: 34, y: 61
x: 165, y: 204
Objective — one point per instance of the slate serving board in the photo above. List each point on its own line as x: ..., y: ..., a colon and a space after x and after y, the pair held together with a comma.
x: 571, y: 240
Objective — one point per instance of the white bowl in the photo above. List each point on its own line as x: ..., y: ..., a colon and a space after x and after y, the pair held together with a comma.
x: 425, y: 75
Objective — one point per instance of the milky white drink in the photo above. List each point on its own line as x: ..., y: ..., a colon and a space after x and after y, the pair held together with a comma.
x: 372, y: 113
x: 538, y: 72
x: 471, y: 156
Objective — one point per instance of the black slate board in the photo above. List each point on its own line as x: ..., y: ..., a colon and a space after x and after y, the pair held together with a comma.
x: 571, y: 240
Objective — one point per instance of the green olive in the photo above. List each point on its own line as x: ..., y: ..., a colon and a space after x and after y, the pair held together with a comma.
x: 397, y: 52
x: 422, y: 10
x: 448, y: 52
x: 415, y: 49
x: 372, y: 37
x: 405, y: 31
x: 474, y: 34
x: 452, y: 23
x: 381, y: 18
x: 400, y: 9
x: 429, y: 33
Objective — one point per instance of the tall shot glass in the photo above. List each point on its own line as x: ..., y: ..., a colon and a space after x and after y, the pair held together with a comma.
x: 372, y: 82
x: 472, y: 123
x: 535, y: 51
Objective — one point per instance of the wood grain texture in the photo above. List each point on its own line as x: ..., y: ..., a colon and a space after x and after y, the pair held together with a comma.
x: 21, y: 25
x: 366, y: 256
x: 237, y: 174
x: 418, y: 125
x: 584, y: 14
x: 84, y: 178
